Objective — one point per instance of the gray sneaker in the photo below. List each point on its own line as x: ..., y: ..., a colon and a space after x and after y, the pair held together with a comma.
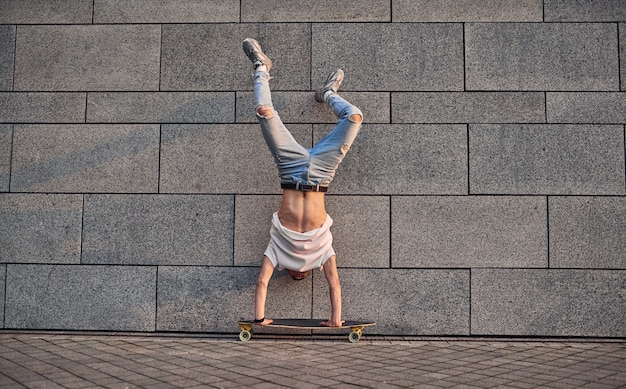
x: 253, y: 50
x: 333, y: 82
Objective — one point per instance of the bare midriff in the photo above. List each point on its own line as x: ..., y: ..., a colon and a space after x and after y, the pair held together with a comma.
x: 302, y: 211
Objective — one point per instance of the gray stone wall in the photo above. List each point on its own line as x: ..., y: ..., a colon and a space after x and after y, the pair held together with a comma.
x: 485, y: 194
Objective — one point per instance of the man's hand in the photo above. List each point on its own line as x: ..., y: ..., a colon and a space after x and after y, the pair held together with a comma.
x: 330, y: 323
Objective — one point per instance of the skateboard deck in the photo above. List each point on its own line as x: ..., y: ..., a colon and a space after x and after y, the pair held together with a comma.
x: 355, y: 327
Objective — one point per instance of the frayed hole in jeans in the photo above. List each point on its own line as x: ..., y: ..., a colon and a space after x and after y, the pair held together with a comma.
x: 264, y: 111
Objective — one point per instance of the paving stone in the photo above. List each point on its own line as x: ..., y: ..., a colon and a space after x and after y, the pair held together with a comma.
x: 87, y: 57
x: 317, y: 11
x: 189, y: 53
x: 300, y: 107
x: 161, y: 107
x: 467, y: 11
x: 547, y: 159
x: 414, y: 302
x: 406, y: 57
x: 588, y: 232
x: 45, y: 11
x: 213, y: 299
x: 75, y: 297
x: 548, y: 302
x: 584, y: 11
x: 403, y: 159
x: 38, y: 228
x: 7, y: 50
x: 468, y: 107
x: 34, y: 107
x: 85, y: 158
x: 193, y: 158
x: 6, y: 135
x: 586, y: 107
x: 537, y: 56
x: 179, y: 11
x: 469, y: 232
x: 360, y: 230
x: 158, y: 230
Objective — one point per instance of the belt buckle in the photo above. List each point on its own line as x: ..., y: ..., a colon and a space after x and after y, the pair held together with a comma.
x: 308, y: 188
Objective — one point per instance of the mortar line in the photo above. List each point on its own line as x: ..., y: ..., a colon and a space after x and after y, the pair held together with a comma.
x: 93, y: 12
x: 159, y: 159
x: 390, y: 231
x: 467, y: 133
x: 234, y: 214
x: 548, y: 230
x: 11, y: 155
x: 156, y: 299
x: 469, y: 319
x: 14, y: 60
x: 82, y: 230
x: 619, y: 62
x: 4, y: 302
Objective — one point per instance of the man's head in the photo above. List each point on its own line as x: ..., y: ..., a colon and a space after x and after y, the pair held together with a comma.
x: 298, y: 275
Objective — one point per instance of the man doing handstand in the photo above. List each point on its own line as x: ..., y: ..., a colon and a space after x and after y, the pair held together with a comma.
x: 300, y: 237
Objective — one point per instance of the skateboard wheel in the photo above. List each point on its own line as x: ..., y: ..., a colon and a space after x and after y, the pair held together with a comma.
x: 354, y: 337
x: 245, y: 335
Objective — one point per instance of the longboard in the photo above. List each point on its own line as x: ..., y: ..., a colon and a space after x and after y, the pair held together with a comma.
x: 356, y: 327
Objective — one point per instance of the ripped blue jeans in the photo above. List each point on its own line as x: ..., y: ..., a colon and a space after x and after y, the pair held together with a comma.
x: 296, y: 164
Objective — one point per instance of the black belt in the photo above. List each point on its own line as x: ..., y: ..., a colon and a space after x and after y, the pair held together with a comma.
x: 304, y: 188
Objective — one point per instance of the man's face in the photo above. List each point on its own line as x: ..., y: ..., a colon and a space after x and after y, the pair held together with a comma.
x: 298, y: 275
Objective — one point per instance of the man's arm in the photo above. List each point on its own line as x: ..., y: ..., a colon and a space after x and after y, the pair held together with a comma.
x: 260, y: 293
x: 334, y: 288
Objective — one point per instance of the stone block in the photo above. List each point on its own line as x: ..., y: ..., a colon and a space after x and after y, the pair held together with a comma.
x: 46, y: 11
x: 584, y: 11
x: 85, y: 158
x: 401, y: 301
x: 88, y: 58
x: 468, y: 107
x: 220, y: 158
x: 586, y: 107
x: 547, y: 159
x: 178, y: 11
x: 300, y: 107
x: 6, y: 135
x: 316, y: 11
x: 467, y: 11
x: 38, y: 228
x: 253, y: 219
x: 7, y: 51
x: 406, y: 56
x: 588, y: 232
x: 213, y: 299
x: 538, y: 56
x: 158, y: 230
x: 403, y: 159
x: 189, y: 55
x: 457, y: 232
x: 161, y: 107
x: 542, y: 302
x: 75, y: 297
x: 34, y: 107
x: 360, y: 229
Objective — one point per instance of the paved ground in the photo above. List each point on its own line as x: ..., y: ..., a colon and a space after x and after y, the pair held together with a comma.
x: 157, y: 361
